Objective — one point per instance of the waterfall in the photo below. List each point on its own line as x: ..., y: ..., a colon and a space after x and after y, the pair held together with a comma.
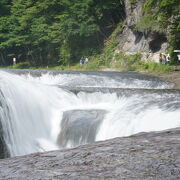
x: 37, y: 115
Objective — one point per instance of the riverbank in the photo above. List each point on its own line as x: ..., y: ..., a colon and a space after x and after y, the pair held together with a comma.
x: 173, y: 77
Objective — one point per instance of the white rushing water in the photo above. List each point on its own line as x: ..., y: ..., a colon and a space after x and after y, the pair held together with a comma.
x: 31, y: 109
x: 88, y: 80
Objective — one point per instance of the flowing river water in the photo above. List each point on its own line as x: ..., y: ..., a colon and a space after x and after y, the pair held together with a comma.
x: 42, y: 111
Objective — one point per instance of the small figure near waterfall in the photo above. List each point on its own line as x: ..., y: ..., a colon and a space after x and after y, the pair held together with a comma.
x: 163, y: 58
x: 82, y: 61
x: 168, y: 59
x: 14, y: 61
x: 160, y: 58
x: 86, y: 61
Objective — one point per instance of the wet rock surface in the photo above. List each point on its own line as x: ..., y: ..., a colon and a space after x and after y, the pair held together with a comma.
x: 154, y: 155
x: 4, y: 153
x: 80, y: 126
x: 3, y: 148
x: 173, y: 77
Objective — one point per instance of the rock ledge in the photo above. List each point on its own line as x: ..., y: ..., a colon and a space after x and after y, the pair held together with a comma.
x: 154, y: 155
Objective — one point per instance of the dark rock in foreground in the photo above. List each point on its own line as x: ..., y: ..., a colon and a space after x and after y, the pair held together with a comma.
x: 151, y: 156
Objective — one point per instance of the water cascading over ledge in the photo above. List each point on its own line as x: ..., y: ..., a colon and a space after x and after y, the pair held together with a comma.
x: 36, y: 115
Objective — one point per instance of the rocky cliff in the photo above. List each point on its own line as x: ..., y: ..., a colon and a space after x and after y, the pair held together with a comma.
x: 132, y: 40
x: 154, y: 155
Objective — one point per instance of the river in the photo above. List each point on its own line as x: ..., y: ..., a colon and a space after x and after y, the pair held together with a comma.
x: 49, y: 110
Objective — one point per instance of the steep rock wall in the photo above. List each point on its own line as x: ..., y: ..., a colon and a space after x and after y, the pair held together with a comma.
x: 131, y: 41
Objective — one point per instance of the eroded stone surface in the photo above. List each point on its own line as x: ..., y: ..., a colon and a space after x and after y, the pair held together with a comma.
x: 149, y: 156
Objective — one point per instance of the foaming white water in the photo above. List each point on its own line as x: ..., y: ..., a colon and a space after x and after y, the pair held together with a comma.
x: 88, y: 80
x: 31, y: 112
x: 134, y: 115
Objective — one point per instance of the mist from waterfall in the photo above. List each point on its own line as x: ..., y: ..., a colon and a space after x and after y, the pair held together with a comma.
x: 32, y: 108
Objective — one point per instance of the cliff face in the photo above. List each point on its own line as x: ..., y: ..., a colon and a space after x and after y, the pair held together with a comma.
x: 131, y: 40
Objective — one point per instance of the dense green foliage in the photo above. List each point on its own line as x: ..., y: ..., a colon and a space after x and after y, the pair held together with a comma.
x: 108, y: 59
x: 54, y: 32
x: 160, y: 14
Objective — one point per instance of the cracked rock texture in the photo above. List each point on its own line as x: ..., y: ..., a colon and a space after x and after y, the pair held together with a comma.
x: 150, y: 156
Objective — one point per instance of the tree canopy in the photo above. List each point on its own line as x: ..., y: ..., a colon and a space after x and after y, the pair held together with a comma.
x: 43, y: 31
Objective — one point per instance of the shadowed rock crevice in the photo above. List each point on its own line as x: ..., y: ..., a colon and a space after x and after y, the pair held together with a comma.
x: 4, y: 153
x: 155, y: 44
x: 3, y: 149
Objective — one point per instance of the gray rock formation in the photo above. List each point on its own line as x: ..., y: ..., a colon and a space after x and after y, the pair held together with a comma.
x: 150, y: 156
x: 79, y: 127
x: 3, y: 148
x: 131, y: 41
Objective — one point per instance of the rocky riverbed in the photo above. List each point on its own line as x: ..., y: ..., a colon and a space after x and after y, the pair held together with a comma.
x: 173, y: 77
x: 154, y: 155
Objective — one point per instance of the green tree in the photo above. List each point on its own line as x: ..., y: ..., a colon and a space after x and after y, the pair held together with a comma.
x: 48, y: 32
